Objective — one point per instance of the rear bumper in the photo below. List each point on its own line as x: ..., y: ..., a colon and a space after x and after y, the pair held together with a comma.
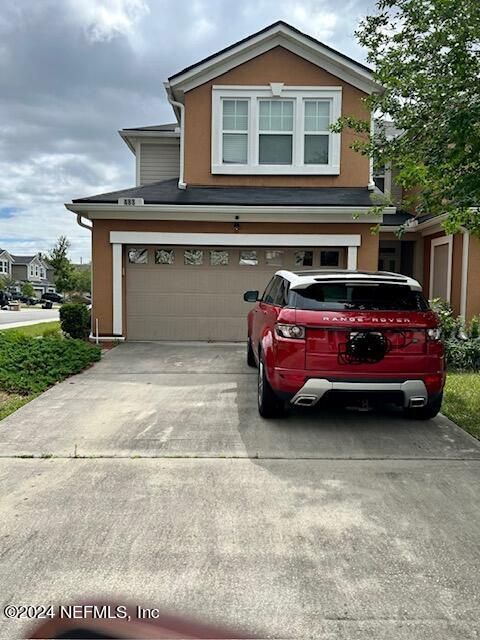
x: 414, y: 392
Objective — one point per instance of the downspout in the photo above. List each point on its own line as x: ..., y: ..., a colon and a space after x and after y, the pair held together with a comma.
x: 93, y: 336
x: 181, y: 108
x: 89, y: 227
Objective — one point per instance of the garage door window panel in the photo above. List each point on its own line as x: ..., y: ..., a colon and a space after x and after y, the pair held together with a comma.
x: 274, y: 258
x: 248, y: 258
x: 303, y: 258
x: 193, y: 257
x: 164, y: 256
x: 138, y: 255
x: 219, y: 258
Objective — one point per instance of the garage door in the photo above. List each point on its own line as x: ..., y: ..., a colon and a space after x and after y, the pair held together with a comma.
x: 196, y: 293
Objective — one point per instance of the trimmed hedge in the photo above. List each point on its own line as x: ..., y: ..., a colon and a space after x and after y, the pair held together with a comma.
x: 75, y: 320
x: 31, y: 365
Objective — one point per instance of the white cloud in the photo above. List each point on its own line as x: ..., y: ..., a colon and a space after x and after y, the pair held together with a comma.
x: 105, y: 19
x: 35, y: 191
x: 76, y: 71
x: 312, y: 19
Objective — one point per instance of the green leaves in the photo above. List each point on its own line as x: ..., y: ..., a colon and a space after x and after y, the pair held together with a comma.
x: 426, y: 54
x: 31, y: 365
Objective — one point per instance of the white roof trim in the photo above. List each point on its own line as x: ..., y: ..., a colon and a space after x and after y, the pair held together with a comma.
x: 129, y: 137
x: 277, y: 35
x: 252, y: 213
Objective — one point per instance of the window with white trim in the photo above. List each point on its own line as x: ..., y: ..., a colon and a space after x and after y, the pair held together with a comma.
x: 235, y: 132
x: 4, y: 266
x: 275, y: 130
x: 316, y: 131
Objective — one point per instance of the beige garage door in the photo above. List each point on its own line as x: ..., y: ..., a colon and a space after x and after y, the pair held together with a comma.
x: 196, y: 293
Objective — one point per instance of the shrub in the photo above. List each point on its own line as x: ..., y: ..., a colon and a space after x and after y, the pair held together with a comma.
x: 463, y: 355
x: 31, y: 364
x: 462, y: 342
x: 474, y: 327
x: 449, y: 325
x: 75, y: 320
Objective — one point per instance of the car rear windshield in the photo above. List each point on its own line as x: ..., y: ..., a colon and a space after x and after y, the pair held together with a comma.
x: 362, y: 297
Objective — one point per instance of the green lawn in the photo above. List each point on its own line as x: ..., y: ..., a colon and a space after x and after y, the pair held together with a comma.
x: 462, y: 401
x: 10, y: 402
x: 33, y: 330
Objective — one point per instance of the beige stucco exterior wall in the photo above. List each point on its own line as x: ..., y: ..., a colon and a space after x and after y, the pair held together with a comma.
x: 276, y: 65
x: 102, y: 250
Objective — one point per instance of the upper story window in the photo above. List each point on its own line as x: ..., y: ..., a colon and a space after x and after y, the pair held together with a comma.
x: 4, y: 266
x: 235, y: 132
x: 275, y: 130
x: 317, y: 134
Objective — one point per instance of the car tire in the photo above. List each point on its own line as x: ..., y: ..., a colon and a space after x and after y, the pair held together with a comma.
x: 428, y: 412
x: 250, y: 355
x: 269, y: 405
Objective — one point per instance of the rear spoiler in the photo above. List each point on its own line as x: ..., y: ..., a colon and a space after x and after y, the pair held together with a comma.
x: 369, y: 281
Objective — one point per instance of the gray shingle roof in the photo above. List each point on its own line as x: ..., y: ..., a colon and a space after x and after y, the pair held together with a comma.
x: 167, y: 192
x: 23, y: 259
x: 396, y: 219
x: 171, y: 126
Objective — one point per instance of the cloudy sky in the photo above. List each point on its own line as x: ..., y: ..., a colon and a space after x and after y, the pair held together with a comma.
x: 74, y: 72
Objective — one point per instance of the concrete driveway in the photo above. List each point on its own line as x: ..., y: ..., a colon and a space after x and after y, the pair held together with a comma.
x: 321, y: 525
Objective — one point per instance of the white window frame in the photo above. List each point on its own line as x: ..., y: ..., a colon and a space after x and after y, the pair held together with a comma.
x: 235, y: 131
x: 254, y: 94
x: 4, y: 267
x: 274, y: 132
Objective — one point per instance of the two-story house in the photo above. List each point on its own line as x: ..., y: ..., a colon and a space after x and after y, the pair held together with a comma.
x: 32, y: 269
x: 247, y: 180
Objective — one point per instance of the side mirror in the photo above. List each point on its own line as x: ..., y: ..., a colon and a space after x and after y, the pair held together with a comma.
x: 250, y: 296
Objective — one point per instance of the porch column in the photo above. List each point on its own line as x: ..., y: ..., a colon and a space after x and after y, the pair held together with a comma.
x: 352, y: 258
x: 117, y: 288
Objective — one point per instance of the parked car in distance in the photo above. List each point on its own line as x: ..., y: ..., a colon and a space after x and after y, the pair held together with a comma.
x: 319, y: 336
x: 53, y: 297
x: 26, y: 299
x: 5, y: 298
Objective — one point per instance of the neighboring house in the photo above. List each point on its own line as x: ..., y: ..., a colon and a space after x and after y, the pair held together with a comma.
x: 248, y: 180
x: 6, y: 262
x: 31, y: 269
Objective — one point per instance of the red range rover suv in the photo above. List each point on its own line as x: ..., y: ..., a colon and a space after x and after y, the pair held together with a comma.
x: 317, y: 336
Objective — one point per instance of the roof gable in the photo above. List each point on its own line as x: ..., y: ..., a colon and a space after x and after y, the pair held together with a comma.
x: 278, y: 34
x: 4, y: 254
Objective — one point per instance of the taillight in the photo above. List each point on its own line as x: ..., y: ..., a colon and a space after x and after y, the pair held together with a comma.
x: 292, y: 331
